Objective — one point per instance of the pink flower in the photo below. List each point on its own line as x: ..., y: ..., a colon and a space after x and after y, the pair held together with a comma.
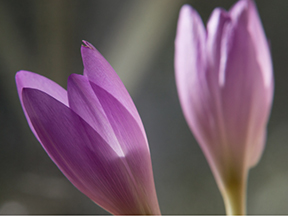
x: 94, y: 134
x: 225, y: 84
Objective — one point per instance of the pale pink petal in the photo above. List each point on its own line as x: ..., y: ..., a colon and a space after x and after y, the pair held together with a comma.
x: 190, y: 64
x: 261, y: 47
x: 215, y: 29
x: 244, y: 95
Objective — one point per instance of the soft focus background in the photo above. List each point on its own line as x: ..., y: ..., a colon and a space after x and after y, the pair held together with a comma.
x: 137, y: 38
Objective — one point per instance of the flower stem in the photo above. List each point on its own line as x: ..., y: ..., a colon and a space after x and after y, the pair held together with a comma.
x: 235, y: 196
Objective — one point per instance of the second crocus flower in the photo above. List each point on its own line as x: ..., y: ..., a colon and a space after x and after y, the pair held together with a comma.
x: 225, y: 85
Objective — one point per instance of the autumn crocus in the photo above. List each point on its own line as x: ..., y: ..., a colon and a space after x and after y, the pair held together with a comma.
x: 94, y: 134
x: 225, y: 85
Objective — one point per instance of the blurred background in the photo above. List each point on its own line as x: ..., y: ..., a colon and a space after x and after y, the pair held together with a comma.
x: 137, y: 38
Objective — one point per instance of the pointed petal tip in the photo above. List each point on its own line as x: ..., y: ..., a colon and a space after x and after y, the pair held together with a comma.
x: 73, y: 76
x: 189, y: 20
x: 240, y: 8
x: 249, y: 4
x: 187, y: 11
x: 86, y: 44
x: 217, y: 19
x: 219, y: 12
x: 186, y: 8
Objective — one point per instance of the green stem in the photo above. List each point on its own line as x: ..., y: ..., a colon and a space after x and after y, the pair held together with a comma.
x: 235, y: 196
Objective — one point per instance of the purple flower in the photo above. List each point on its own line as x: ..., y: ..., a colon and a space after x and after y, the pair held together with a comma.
x: 94, y: 134
x: 225, y: 84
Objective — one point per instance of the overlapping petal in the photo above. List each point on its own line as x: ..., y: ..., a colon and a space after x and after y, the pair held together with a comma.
x: 244, y: 94
x: 85, y: 103
x: 190, y: 35
x: 133, y: 144
x: 94, y: 65
x: 27, y: 79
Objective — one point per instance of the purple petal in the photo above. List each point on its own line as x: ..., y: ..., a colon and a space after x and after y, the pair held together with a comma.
x: 133, y: 144
x: 84, y: 157
x: 244, y: 92
x: 84, y: 102
x: 26, y: 79
x: 125, y: 127
x: 99, y: 71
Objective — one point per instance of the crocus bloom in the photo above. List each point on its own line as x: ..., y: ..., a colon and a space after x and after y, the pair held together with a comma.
x: 225, y: 84
x: 94, y: 134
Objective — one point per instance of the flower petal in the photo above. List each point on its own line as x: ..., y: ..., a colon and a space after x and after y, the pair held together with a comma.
x: 190, y: 64
x: 27, y: 79
x: 125, y: 127
x: 256, y: 150
x: 215, y: 26
x: 244, y: 92
x: 194, y: 90
x: 82, y: 155
x: 133, y: 143
x: 99, y: 71
x: 211, y: 96
x: 263, y: 56
x: 84, y: 102
x: 261, y: 46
